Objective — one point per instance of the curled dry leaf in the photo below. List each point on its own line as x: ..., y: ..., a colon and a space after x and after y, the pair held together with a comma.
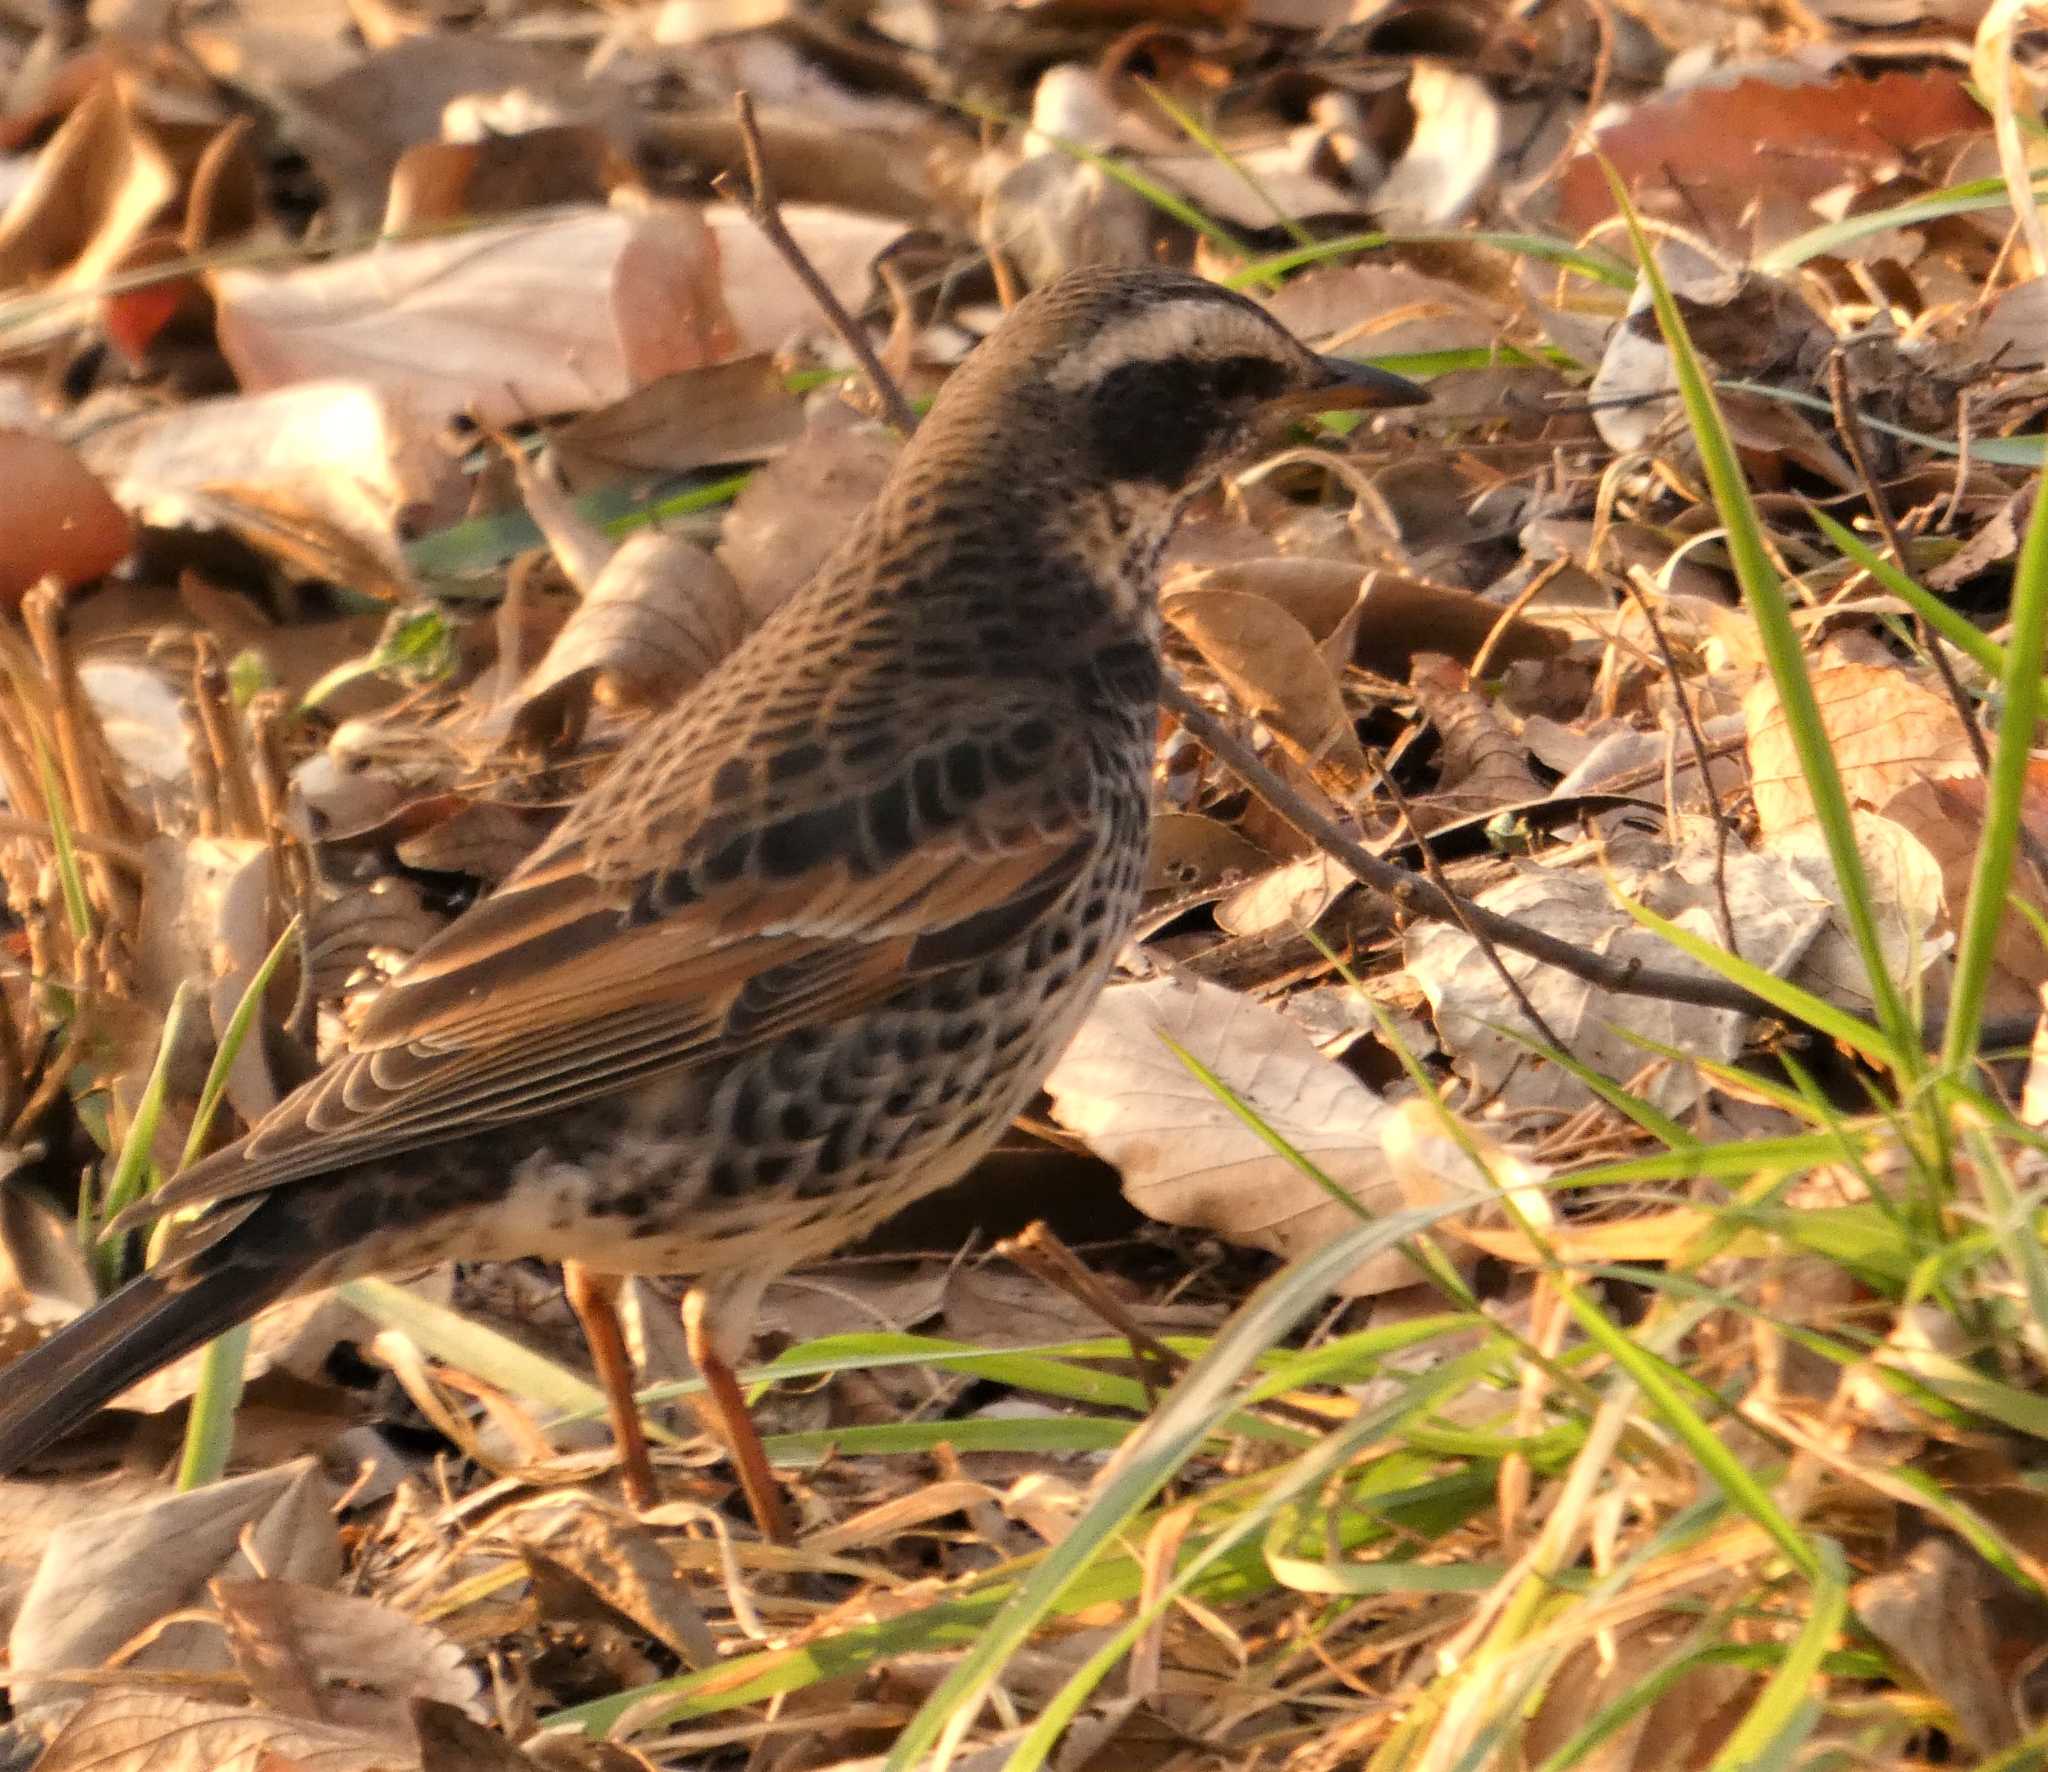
x: 1947, y: 817
x: 661, y: 614
x: 326, y: 1657
x: 129, y: 1729
x: 1400, y: 617
x: 1885, y: 730
x: 1487, y: 1033
x: 1188, y: 1158
x: 337, y: 453
x: 554, y: 315
x: 1191, y: 853
x: 102, y: 1581
x: 1274, y: 670
x: 96, y: 188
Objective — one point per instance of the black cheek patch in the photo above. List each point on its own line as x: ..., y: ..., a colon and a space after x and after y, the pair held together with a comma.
x: 1153, y: 421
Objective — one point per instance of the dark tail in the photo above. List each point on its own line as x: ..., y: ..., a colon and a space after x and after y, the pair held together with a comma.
x: 146, y: 1325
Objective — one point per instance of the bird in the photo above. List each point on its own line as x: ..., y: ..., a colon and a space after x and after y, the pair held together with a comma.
x: 818, y: 932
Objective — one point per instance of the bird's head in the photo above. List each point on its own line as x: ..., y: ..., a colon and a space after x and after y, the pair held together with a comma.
x: 1147, y: 380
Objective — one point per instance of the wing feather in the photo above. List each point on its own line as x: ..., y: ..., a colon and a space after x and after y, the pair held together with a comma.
x: 556, y: 988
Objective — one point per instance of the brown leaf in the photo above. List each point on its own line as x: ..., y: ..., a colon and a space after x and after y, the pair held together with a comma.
x: 452, y: 1742
x: 1274, y: 670
x: 103, y: 1581
x: 503, y: 322
x: 662, y: 613
x: 508, y: 174
x: 98, y: 185
x: 723, y: 412
x: 1885, y: 730
x: 339, y: 1659
x: 59, y: 520
x: 131, y: 1730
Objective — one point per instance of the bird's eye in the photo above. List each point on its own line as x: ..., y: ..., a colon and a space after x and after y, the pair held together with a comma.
x: 1247, y: 378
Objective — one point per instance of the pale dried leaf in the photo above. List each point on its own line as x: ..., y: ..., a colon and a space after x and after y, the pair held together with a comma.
x: 1191, y: 853
x: 1293, y: 896
x: 336, y: 452
x: 144, y: 1730
x: 661, y: 615
x: 1487, y: 1033
x: 794, y: 511
x: 1187, y: 1158
x: 1906, y: 903
x: 103, y: 1580
x: 769, y: 306
x: 339, y: 1659
x: 1885, y: 730
x: 1273, y: 669
x: 503, y: 323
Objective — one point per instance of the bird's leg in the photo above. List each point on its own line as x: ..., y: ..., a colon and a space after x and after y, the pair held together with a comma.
x: 594, y: 1298
x: 725, y: 1412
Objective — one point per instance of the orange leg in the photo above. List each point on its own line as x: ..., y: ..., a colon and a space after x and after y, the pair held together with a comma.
x: 726, y: 1410
x: 594, y: 1298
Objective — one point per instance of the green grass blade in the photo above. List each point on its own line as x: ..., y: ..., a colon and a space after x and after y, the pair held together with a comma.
x: 1787, y: 1712
x: 132, y: 1166
x: 1185, y: 1418
x: 1782, y: 649
x: 1998, y: 846
x: 1197, y: 132
x: 77, y: 907
x: 1598, y: 266
x: 210, y: 1428
x: 1958, y: 630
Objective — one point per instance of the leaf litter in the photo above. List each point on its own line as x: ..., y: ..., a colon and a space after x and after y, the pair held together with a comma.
x: 394, y: 411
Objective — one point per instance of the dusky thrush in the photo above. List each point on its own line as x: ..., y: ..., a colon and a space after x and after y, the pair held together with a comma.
x: 818, y: 933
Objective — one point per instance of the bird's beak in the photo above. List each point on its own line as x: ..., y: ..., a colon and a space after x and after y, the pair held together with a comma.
x: 1345, y: 387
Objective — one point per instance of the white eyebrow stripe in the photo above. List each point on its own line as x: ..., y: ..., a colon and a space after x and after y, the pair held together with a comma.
x: 1196, y: 326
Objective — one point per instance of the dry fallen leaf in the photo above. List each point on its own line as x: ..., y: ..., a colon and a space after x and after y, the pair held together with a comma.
x: 1487, y: 1033
x: 339, y: 1659
x: 105, y: 1580
x: 1187, y: 1157
x: 660, y: 615
x: 1275, y: 671
x: 144, y: 1730
x: 1885, y: 730
x: 792, y: 513
x: 59, y: 520
x: 559, y: 314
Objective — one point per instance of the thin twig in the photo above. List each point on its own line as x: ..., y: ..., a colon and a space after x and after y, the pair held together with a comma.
x: 760, y: 204
x: 1849, y: 424
x: 1849, y: 427
x: 1433, y: 869
x: 1419, y: 897
x: 1699, y: 751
